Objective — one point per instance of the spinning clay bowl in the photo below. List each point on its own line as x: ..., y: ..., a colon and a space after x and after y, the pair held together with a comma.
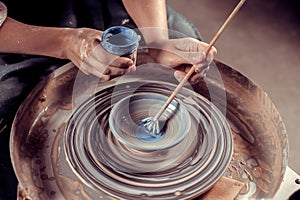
x: 126, y: 124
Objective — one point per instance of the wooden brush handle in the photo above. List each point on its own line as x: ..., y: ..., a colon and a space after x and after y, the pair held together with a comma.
x: 221, y: 29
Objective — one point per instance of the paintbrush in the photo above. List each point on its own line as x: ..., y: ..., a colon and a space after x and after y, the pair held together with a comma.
x: 152, y: 124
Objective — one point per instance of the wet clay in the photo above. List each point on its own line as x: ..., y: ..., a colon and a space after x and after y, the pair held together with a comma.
x: 49, y: 165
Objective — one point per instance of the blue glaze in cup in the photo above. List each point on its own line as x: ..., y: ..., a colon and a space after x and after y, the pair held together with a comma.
x: 121, y: 41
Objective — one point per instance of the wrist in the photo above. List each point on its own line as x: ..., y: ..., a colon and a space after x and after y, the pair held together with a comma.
x: 65, y: 39
x: 154, y: 35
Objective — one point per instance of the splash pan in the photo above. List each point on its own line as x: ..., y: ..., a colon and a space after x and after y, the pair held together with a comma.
x: 63, y: 147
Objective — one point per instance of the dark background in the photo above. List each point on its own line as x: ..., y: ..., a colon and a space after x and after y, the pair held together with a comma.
x: 262, y: 42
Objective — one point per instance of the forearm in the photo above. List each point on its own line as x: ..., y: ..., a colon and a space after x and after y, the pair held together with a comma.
x: 150, y: 16
x: 16, y: 37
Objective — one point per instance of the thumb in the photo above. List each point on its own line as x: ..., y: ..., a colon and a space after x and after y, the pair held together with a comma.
x: 179, y: 75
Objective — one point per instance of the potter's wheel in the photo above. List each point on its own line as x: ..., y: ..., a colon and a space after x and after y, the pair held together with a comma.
x: 54, y: 159
x: 182, y: 170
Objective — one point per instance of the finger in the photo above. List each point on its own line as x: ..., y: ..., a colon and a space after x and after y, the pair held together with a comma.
x: 192, y: 57
x: 181, y: 71
x: 88, y: 69
x: 179, y: 75
x: 211, y: 54
x: 122, y: 62
x: 115, y: 71
x: 213, y: 51
x: 93, y: 65
x: 202, y: 70
x: 100, y: 55
x: 190, y: 44
x: 193, y: 46
x: 194, y: 79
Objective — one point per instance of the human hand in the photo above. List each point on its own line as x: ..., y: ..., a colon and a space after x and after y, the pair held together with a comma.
x: 181, y: 53
x: 84, y: 50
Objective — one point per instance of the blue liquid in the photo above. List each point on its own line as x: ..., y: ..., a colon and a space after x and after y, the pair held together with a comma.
x: 143, y: 134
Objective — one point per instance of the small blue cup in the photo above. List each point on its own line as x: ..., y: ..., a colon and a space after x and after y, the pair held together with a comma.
x: 121, y: 41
